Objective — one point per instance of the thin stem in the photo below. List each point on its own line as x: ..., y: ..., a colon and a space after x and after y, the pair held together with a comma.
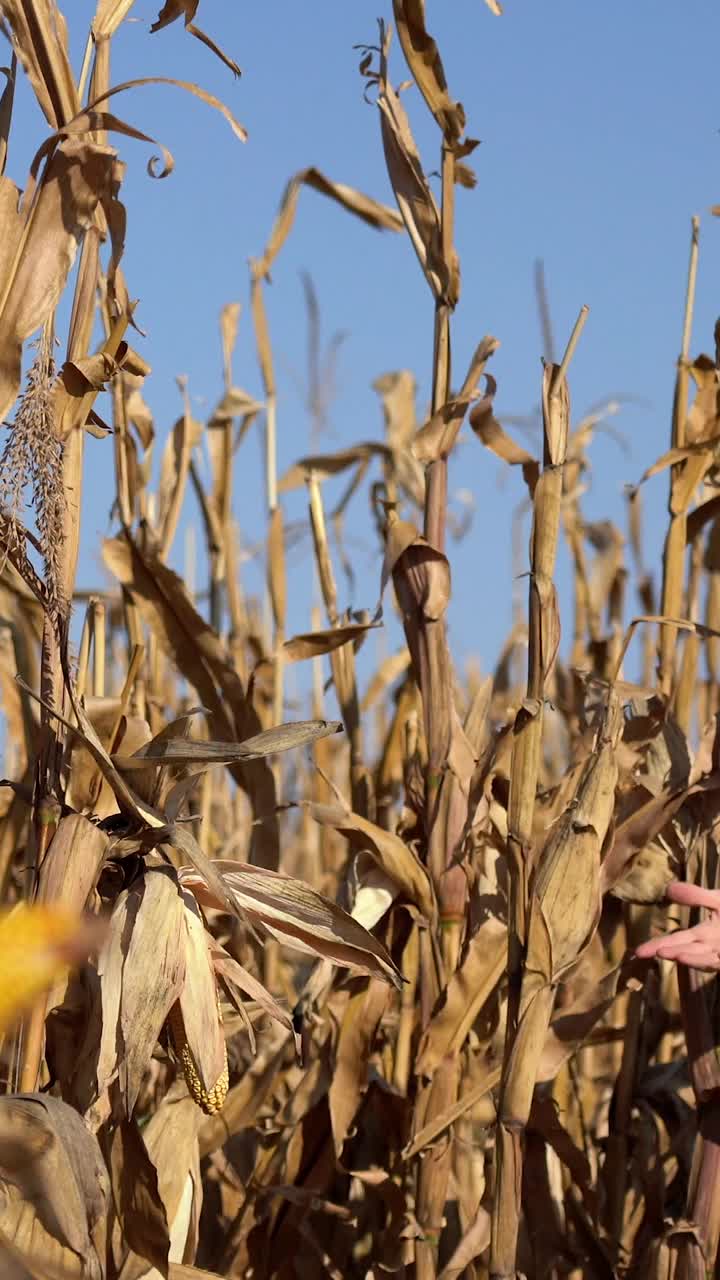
x: 561, y: 374
x: 85, y: 68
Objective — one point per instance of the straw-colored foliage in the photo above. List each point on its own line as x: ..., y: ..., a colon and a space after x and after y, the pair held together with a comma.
x: 376, y: 995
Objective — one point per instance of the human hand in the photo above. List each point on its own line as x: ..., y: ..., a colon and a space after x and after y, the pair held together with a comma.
x: 699, y: 947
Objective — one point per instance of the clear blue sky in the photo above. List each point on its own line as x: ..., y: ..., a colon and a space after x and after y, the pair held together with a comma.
x: 599, y: 127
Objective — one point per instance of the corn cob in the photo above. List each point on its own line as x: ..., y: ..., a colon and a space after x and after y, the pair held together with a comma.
x: 209, y: 1101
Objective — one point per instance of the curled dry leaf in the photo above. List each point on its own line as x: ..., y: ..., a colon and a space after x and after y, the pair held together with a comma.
x: 492, y: 435
x: 415, y: 200
x: 238, y: 978
x: 136, y: 1197
x: 38, y: 242
x: 436, y: 438
x: 374, y: 891
x: 186, y: 9
x: 421, y: 573
x: 391, y: 854
x: 188, y: 86
x: 370, y: 211
x: 55, y: 1188
x: 425, y: 63
x: 313, y: 644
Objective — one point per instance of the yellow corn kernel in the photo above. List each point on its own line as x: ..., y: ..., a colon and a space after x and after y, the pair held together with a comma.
x: 209, y: 1101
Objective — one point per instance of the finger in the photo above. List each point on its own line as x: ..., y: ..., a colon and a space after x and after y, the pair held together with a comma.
x: 647, y: 950
x: 693, y: 895
x: 701, y: 958
x: 678, y: 937
x: 670, y: 950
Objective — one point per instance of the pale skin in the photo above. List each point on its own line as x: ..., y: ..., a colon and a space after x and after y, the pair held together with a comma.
x: 699, y: 947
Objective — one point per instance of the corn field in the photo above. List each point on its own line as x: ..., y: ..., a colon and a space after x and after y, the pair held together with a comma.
x: 426, y: 989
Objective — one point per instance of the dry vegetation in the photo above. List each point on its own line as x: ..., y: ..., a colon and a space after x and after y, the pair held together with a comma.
x: 356, y: 997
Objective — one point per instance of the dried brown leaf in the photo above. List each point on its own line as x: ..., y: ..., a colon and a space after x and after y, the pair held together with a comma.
x: 108, y: 17
x: 392, y: 855
x: 187, y: 9
x: 425, y: 63
x: 354, y: 1046
x: 39, y: 36
x: 369, y: 210
x: 142, y: 1214
x: 481, y: 966
x: 55, y: 1187
x: 415, y: 200
x: 330, y: 464
x: 235, y: 975
x: 202, y: 658
x: 492, y: 435
x: 276, y: 568
x: 298, y: 916
x: 313, y: 644
x: 436, y: 438
x: 38, y: 242
x: 180, y: 751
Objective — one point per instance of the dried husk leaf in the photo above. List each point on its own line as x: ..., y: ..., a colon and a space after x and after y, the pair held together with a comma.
x: 198, y: 998
x: 420, y: 572
x: 566, y: 902
x: 141, y: 971
x: 73, y: 862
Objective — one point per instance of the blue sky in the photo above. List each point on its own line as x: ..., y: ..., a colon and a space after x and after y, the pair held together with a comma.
x: 600, y: 138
